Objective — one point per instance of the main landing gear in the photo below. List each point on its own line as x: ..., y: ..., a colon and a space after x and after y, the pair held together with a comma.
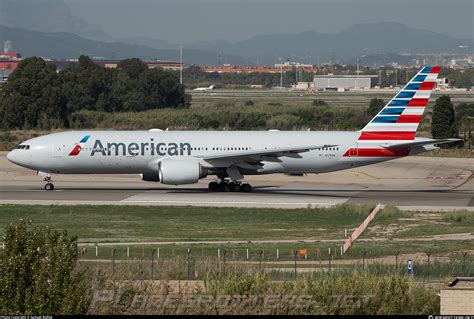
x: 49, y: 183
x: 226, y: 186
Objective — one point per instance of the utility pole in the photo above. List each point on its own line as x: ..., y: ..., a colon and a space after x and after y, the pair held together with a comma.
x: 396, y: 77
x: 181, y: 64
x: 357, y: 78
x: 281, y: 72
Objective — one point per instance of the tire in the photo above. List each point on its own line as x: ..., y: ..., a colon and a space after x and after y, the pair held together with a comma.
x: 235, y: 188
x: 213, y: 186
x: 224, y: 187
x: 246, y: 188
x: 49, y: 187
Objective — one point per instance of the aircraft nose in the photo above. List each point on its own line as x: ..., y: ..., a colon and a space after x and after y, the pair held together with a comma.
x: 12, y: 156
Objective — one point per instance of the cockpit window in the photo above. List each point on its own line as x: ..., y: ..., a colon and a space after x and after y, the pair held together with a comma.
x: 22, y: 147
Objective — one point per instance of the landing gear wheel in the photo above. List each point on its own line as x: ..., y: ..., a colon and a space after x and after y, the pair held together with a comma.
x: 49, y: 186
x: 234, y: 187
x: 213, y: 186
x: 246, y: 188
x: 224, y: 187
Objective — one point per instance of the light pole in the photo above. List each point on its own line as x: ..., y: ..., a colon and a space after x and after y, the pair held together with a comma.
x: 281, y: 72
x: 181, y: 64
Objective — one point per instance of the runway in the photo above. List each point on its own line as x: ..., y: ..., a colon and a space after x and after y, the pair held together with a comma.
x: 417, y: 183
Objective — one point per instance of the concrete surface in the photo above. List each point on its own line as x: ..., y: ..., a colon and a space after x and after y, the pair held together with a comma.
x: 415, y: 183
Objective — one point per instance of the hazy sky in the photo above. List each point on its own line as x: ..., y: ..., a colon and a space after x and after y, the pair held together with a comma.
x: 188, y: 21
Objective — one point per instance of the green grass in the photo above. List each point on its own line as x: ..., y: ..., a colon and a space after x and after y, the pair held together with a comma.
x: 390, y: 248
x: 461, y: 218
x: 449, y: 223
x: 139, y: 223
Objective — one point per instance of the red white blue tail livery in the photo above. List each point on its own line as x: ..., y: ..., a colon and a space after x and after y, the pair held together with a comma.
x: 400, y: 117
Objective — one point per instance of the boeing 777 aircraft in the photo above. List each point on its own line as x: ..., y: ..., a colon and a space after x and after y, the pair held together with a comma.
x: 184, y: 157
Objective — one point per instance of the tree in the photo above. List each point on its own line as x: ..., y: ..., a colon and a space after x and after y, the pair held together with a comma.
x: 465, y: 121
x: 32, y: 97
x: 375, y: 106
x: 36, y: 96
x: 37, y: 272
x: 443, y: 124
x: 161, y: 89
x: 132, y: 67
x: 83, y: 84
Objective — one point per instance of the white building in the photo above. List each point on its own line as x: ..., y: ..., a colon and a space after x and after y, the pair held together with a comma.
x: 291, y: 64
x: 306, y: 86
x: 342, y: 82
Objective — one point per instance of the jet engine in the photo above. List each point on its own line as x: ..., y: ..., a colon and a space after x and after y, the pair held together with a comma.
x: 150, y: 177
x: 180, y: 171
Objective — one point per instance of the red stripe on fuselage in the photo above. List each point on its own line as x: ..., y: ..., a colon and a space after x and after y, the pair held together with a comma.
x: 395, y: 135
x: 376, y: 152
x: 76, y: 150
x: 409, y: 119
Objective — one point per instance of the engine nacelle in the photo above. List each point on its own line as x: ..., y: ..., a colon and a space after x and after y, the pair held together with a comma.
x: 180, y: 171
x: 150, y: 177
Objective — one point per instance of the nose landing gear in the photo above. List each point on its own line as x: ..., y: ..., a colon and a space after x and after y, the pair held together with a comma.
x: 49, y: 183
x: 227, y: 186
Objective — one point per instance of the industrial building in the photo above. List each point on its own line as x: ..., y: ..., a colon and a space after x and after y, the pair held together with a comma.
x: 8, y: 61
x: 342, y: 82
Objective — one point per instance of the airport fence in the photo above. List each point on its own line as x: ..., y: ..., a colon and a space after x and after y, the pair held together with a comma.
x: 181, y: 263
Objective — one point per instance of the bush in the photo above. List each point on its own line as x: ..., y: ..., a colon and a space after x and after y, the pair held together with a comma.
x: 375, y: 106
x: 283, y: 122
x: 318, y: 102
x: 249, y: 103
x: 458, y: 217
x: 37, y: 272
x: 358, y: 293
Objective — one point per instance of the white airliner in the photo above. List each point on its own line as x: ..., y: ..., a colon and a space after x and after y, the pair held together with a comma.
x: 184, y: 157
x: 204, y: 89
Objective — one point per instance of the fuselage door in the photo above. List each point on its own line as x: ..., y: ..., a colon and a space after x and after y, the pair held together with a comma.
x: 57, y: 150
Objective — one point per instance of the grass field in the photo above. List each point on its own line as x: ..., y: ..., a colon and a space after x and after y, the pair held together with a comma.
x: 138, y: 223
x: 397, y: 230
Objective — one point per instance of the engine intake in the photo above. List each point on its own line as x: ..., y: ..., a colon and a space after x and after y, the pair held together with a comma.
x: 180, y: 171
x: 150, y: 177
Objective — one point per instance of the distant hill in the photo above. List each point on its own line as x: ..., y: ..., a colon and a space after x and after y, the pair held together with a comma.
x: 370, y: 42
x: 62, y: 45
x: 47, y: 16
x: 357, y: 40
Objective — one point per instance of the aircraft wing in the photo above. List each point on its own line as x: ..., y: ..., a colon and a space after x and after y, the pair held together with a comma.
x: 258, y: 155
x: 423, y: 142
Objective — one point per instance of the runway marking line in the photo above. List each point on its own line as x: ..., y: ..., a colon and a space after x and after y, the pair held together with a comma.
x: 366, y: 174
x: 466, y: 181
x: 233, y: 203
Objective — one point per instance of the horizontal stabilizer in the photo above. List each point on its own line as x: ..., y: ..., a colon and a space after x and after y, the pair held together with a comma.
x: 424, y: 142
